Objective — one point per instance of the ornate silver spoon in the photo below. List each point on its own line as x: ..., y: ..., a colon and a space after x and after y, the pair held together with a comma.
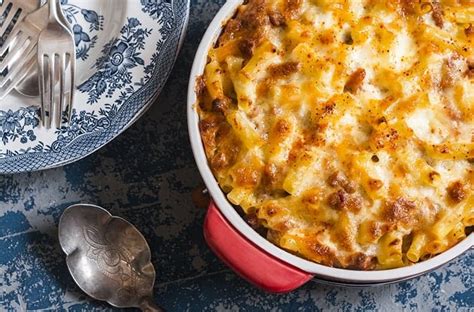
x: 107, y: 257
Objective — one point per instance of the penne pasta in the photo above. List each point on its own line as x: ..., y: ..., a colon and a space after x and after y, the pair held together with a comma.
x: 417, y: 247
x: 390, y: 250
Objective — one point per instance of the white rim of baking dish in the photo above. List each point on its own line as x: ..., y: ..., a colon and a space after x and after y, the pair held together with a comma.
x: 209, y: 39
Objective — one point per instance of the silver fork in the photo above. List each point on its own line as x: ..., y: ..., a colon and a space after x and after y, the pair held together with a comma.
x: 15, y: 9
x: 27, y: 85
x: 20, y: 44
x: 55, y: 49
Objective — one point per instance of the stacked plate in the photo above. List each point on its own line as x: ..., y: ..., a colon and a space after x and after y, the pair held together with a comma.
x: 125, y: 52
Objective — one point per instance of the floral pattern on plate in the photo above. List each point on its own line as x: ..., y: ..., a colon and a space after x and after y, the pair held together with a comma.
x: 18, y: 125
x: 84, y: 37
x: 119, y: 56
x: 128, y: 66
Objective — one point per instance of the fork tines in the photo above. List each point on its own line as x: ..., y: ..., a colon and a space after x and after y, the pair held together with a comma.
x: 10, y: 15
x: 16, y: 51
x: 17, y: 74
x: 51, y: 68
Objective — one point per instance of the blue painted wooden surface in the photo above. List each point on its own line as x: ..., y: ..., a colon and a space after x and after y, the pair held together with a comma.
x: 146, y: 176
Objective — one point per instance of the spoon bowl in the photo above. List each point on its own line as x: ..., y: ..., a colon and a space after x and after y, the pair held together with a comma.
x: 108, y: 257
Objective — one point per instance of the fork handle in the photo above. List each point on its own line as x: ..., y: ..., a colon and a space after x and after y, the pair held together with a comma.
x: 53, y: 9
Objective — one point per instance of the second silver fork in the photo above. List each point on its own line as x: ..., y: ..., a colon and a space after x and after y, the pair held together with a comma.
x: 56, y: 57
x: 19, y: 48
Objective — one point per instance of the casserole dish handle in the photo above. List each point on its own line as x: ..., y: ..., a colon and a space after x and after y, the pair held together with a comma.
x: 246, y: 259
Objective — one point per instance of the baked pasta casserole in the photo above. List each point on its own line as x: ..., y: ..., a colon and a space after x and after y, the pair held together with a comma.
x: 344, y: 130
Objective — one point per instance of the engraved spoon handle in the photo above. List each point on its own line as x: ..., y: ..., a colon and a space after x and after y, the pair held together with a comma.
x: 147, y: 305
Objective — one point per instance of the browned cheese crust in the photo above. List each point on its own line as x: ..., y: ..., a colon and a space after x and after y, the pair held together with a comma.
x: 344, y: 130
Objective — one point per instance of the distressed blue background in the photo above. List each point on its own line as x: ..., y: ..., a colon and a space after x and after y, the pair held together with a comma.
x: 146, y: 176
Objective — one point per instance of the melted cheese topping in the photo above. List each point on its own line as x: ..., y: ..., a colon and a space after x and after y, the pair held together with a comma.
x: 344, y: 129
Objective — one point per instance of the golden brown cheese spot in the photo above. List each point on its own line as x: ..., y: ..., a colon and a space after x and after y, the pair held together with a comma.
x: 384, y: 137
x: 447, y: 80
x: 277, y: 19
x: 449, y: 72
x: 208, y: 128
x: 247, y: 47
x: 209, y: 124
x: 296, y: 150
x: 250, y: 26
x: 221, y: 105
x: 361, y: 261
x: 221, y: 147
x: 264, y: 87
x: 407, y: 7
x: 325, y: 110
x: 437, y: 14
x: 247, y: 177
x: 292, y: 8
x: 470, y: 69
x: 200, y: 86
x: 377, y: 230
x: 355, y: 81
x: 457, y: 191
x: 231, y: 30
x: 375, y: 184
x: 339, y: 179
x: 327, y: 37
x: 224, y: 133
x: 452, y: 111
x: 400, y: 210
x: 313, y: 197
x: 341, y: 200
x: 272, y: 175
x: 322, y: 254
x: 328, y: 109
x: 255, y: 16
x: 469, y: 31
x: 282, y: 128
x: 336, y: 179
x: 344, y: 240
x: 221, y: 160
x: 283, y: 70
x: 312, y: 138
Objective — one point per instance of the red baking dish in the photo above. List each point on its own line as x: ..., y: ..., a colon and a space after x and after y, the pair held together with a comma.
x: 249, y: 254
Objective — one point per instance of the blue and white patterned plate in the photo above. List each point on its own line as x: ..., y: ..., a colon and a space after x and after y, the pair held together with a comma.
x: 125, y: 52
